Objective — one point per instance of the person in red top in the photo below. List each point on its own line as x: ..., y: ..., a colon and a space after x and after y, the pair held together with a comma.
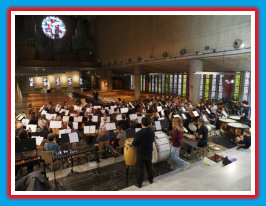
x: 177, y: 143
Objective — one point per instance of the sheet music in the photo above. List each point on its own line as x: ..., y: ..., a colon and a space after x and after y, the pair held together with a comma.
x: 39, y: 139
x: 50, y: 116
x: 137, y: 129
x: 159, y: 108
x: 110, y: 126
x: 31, y: 127
x: 133, y: 116
x: 124, y: 110
x: 162, y: 112
x: 75, y: 125
x: 196, y: 113
x: 225, y: 114
x: 78, y: 119
x: 205, y: 118
x: 57, y: 108
x: 176, y: 115
x: 118, y: 117
x: 103, y: 111
x: 74, y: 115
x: 208, y: 111
x: 108, y: 119
x: 184, y: 116
x: 41, y: 108
x: 55, y: 124
x: 73, y: 137
x: 64, y: 131
x: 66, y: 112
x: 185, y: 130
x: 97, y: 107
x: 25, y: 122
x: 88, y: 110
x: 158, y: 125
x: 111, y: 111
x: 65, y: 118
x: 76, y: 107
x: 90, y: 129
x: 183, y: 109
x: 139, y: 119
x: 113, y: 107
x: 43, y: 112
x: 95, y: 119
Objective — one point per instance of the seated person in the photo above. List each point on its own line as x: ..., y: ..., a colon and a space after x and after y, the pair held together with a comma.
x: 42, y: 121
x: 244, y: 141
x: 20, y: 132
x: 45, y: 131
x: 103, y: 123
x: 124, y: 122
x: 201, y: 134
x: 103, y: 136
x: 51, y: 145
x: 90, y: 122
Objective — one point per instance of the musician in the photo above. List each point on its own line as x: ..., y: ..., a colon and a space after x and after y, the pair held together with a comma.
x: 201, y: 134
x: 42, y: 121
x: 20, y: 132
x: 51, y: 145
x: 189, y: 108
x: 144, y: 143
x: 45, y: 130
x: 245, y: 113
x: 213, y: 117
x: 33, y: 118
x: 103, y: 136
x: 90, y: 122
x: 244, y: 141
x: 177, y: 143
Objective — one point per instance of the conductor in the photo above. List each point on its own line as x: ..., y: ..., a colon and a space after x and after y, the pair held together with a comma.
x: 144, y: 143
x: 95, y: 97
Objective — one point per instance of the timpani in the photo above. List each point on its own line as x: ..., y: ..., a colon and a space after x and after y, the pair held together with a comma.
x: 237, y: 118
x: 236, y: 129
x: 224, y: 122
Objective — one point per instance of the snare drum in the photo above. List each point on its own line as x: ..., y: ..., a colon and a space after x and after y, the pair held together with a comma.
x: 237, y: 118
x: 236, y: 129
x: 129, y: 153
x: 224, y: 122
x: 161, y: 148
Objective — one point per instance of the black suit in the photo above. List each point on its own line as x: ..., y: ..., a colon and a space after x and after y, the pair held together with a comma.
x: 144, y: 143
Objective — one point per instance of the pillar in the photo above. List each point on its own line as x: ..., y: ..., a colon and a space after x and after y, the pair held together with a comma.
x: 109, y: 80
x: 195, y: 65
x: 137, y: 82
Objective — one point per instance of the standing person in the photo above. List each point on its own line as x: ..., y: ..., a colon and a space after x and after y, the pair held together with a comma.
x: 144, y: 143
x: 177, y: 143
x: 95, y: 96
x: 245, y: 113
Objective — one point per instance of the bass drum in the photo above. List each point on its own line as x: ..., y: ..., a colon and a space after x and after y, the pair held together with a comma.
x: 161, y: 148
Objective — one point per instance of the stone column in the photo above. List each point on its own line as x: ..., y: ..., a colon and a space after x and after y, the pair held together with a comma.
x: 194, y: 87
x: 109, y: 80
x: 137, y: 82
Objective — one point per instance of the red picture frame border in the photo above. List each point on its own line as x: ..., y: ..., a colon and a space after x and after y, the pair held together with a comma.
x: 9, y: 118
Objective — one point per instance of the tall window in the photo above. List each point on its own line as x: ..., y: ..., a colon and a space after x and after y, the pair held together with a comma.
x: 163, y: 83
x: 171, y: 84
x: 184, y: 92
x: 160, y: 84
x: 207, y: 87
x: 220, y: 94
x: 175, y: 83
x: 201, y: 86
x: 143, y: 83
x: 237, y: 86
x: 213, y: 93
x: 246, y: 86
x: 179, y: 84
x: 132, y: 82
x: 167, y: 83
x: 152, y: 83
x: 31, y: 81
x: 156, y: 84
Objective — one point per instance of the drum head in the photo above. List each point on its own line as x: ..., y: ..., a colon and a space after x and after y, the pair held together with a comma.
x: 192, y: 127
x: 154, y: 154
